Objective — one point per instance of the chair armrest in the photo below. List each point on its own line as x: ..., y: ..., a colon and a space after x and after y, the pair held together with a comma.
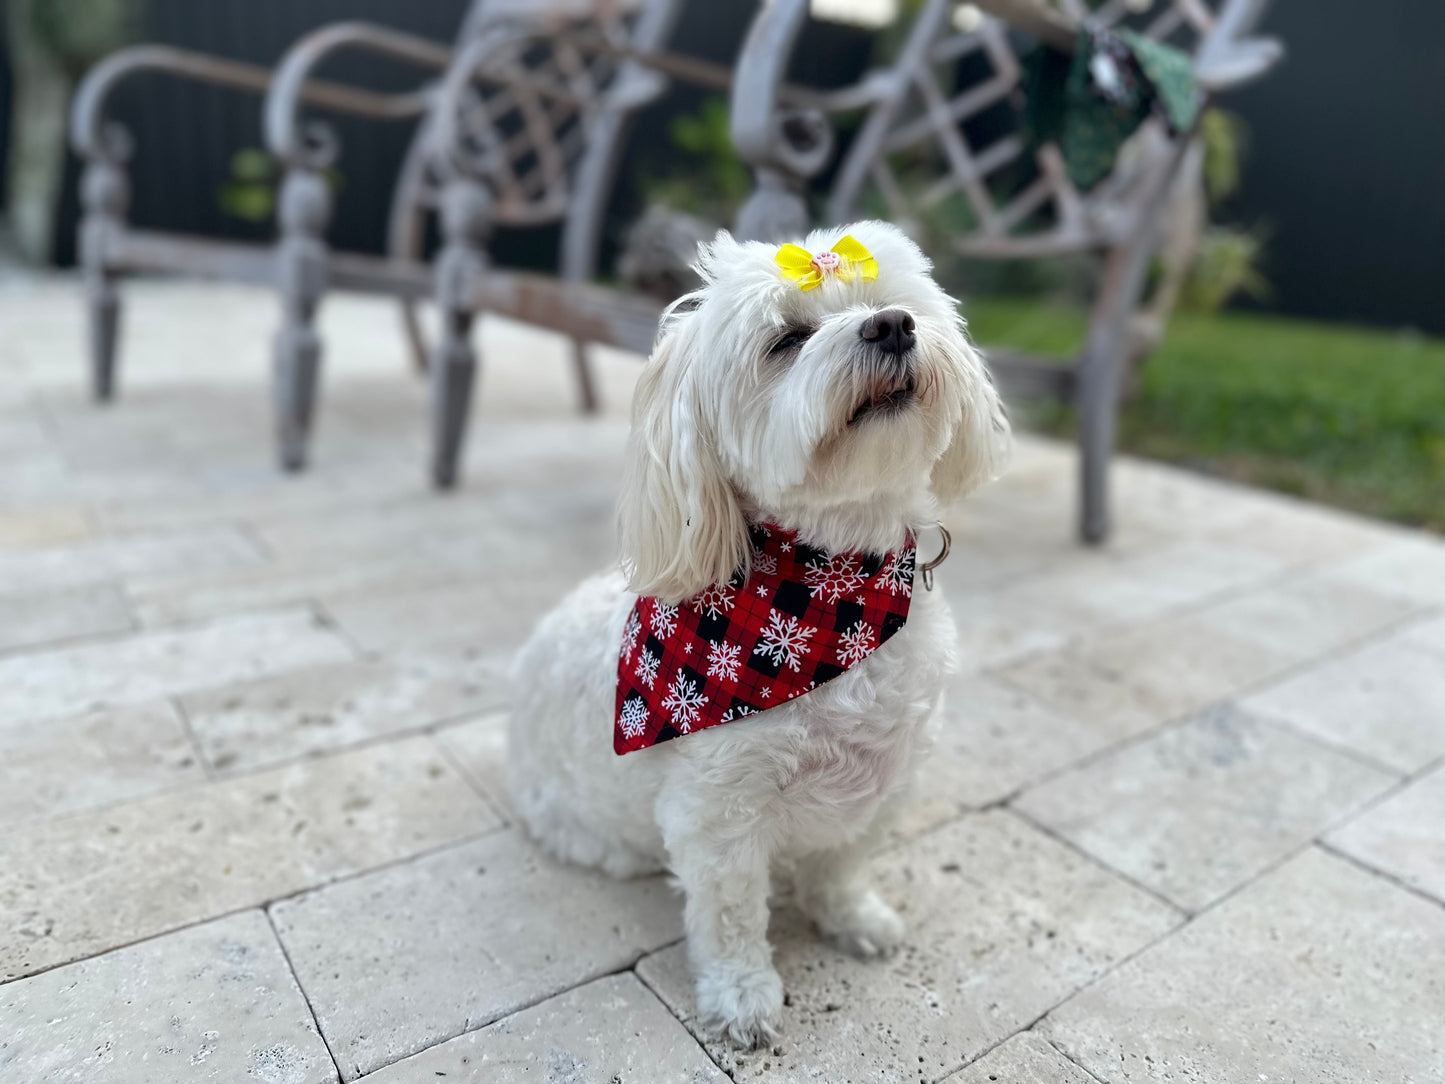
x: 90, y: 136
x: 285, y: 136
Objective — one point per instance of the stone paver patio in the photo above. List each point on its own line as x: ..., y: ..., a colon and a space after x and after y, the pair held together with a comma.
x: 1186, y: 821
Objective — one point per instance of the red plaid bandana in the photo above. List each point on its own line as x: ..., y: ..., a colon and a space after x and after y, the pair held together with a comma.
x: 801, y: 618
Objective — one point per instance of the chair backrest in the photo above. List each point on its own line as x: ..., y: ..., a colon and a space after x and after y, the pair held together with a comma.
x: 1016, y: 206
x: 534, y: 113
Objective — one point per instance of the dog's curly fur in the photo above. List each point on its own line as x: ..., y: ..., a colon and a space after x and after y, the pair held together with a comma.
x: 735, y: 421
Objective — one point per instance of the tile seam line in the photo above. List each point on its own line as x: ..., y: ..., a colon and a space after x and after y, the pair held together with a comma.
x: 488, y: 799
x: 1180, y: 912
x: 1379, y: 874
x: 655, y: 992
x: 305, y: 997
x: 264, y: 904
x: 221, y: 776
x: 176, y: 705
x: 1191, y: 917
x: 471, y: 1028
x: 300, y: 607
x: 371, y: 741
x: 1232, y: 698
x: 1401, y: 783
x: 1233, y: 593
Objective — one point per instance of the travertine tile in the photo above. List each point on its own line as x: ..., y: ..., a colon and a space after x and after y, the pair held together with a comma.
x: 1317, y: 972
x: 480, y: 747
x: 33, y: 620
x: 323, y: 708
x: 58, y: 766
x: 210, y: 1003
x: 1404, y: 836
x: 494, y: 616
x: 1411, y: 567
x: 1386, y: 700
x: 1094, y: 694
x: 1166, y: 668
x: 1204, y: 807
x: 1307, y: 615
x: 163, y: 600
x: 412, y: 955
x: 1003, y: 923
x: 152, y: 665
x: 990, y: 740
x: 613, y: 1029
x: 84, y: 884
x: 1027, y: 1058
x: 121, y: 556
x: 44, y: 526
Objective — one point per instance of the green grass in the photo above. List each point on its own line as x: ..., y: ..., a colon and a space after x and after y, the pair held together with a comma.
x: 1347, y: 415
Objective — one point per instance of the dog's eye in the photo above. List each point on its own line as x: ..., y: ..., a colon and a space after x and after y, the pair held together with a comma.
x: 790, y: 340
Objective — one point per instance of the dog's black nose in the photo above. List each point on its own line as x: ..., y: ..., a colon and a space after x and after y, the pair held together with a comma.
x: 890, y: 330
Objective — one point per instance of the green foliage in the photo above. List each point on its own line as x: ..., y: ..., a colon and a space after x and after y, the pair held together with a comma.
x: 1352, y: 416
x: 250, y: 194
x: 705, y: 176
x: 1226, y: 140
x: 1226, y: 266
x: 79, y: 32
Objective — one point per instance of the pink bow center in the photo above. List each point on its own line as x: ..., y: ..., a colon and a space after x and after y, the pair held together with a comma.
x: 827, y: 261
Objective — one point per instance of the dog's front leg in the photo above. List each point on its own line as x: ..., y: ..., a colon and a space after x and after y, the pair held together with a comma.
x: 722, y: 860
x: 834, y: 889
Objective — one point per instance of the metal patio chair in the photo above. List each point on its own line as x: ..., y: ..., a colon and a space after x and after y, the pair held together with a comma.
x: 534, y: 143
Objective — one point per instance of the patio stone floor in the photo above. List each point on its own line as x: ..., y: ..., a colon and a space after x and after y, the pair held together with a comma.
x: 1186, y: 820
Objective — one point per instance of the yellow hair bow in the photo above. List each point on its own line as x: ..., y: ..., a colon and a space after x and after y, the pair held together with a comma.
x: 845, y: 259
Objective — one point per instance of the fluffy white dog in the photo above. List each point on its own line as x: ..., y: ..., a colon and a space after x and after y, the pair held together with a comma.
x: 846, y: 412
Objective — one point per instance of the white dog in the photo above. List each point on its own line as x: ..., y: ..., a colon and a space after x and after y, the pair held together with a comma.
x: 844, y: 411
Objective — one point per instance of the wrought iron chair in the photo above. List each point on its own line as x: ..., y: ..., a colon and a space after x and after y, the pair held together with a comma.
x: 786, y: 135
x: 531, y: 142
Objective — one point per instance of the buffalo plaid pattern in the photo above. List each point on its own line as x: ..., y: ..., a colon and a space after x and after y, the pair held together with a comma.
x: 802, y: 617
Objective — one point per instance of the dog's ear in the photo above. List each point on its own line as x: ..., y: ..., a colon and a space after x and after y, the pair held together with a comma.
x: 983, y: 441
x: 679, y: 521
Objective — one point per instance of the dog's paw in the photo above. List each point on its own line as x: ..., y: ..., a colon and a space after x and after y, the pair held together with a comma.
x: 746, y: 1008
x: 867, y: 928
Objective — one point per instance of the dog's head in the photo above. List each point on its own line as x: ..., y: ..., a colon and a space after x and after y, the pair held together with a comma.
x: 762, y: 393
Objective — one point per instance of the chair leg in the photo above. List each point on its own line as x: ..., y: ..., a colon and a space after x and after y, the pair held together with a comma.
x: 466, y: 222
x: 453, y: 371
x: 104, y: 198
x: 102, y: 302
x: 297, y: 362
x: 586, y: 385
x: 304, y: 209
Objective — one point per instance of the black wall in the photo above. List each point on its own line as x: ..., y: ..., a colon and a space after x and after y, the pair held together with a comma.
x: 1347, y: 164
x: 1346, y: 169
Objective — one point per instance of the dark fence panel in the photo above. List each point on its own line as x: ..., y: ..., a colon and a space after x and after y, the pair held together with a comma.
x: 187, y: 133
x: 1347, y: 165
x: 1345, y: 169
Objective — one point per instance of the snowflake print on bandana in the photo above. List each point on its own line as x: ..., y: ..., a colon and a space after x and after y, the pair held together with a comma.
x: 630, y: 633
x: 796, y: 619
x: 632, y: 720
x: 857, y: 644
x: 723, y: 660
x: 684, y: 701
x: 716, y: 600
x: 647, y: 664
x: 897, y: 573
x: 785, y: 640
x: 664, y: 620
x: 833, y: 577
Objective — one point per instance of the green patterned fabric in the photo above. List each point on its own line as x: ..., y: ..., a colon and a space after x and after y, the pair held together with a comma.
x: 1066, y: 105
